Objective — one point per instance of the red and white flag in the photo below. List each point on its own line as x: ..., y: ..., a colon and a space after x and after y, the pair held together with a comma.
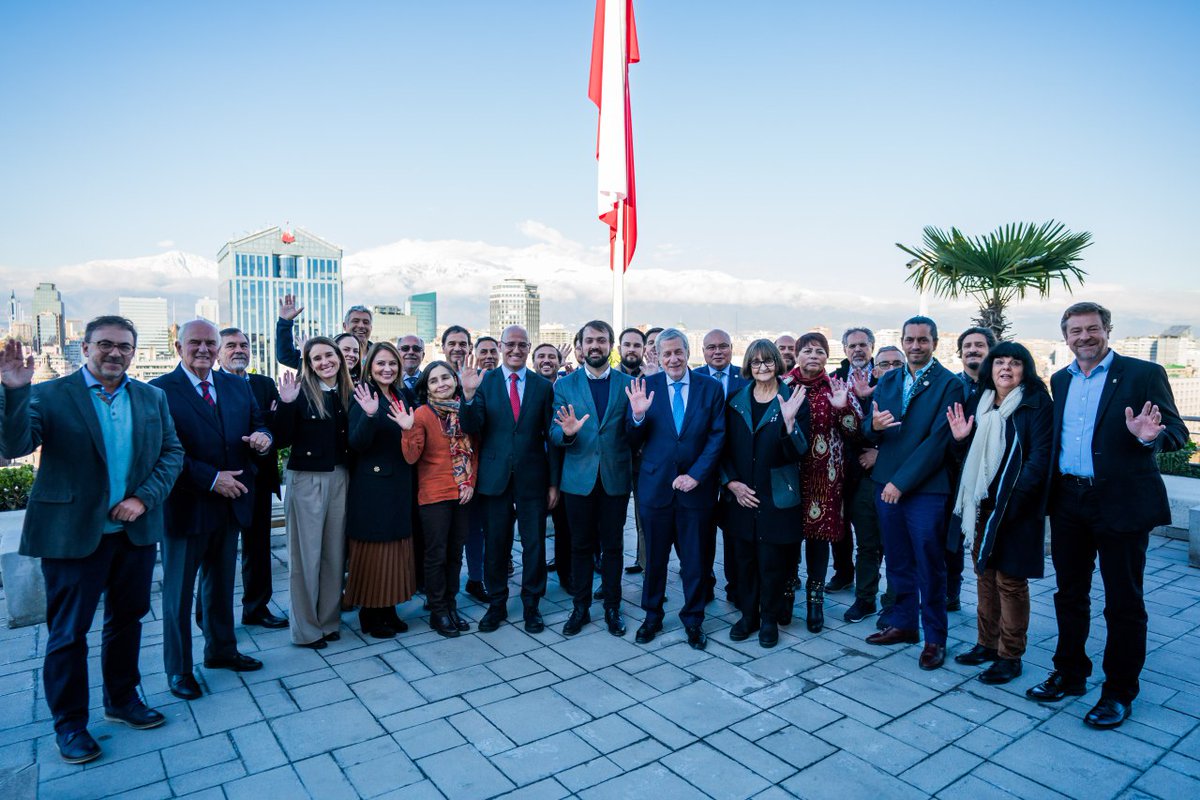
x: 614, y: 48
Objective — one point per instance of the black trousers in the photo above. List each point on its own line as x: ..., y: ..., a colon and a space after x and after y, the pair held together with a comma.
x: 816, y: 559
x: 597, y: 520
x: 843, y: 549
x: 418, y: 537
x: 869, y: 539
x: 256, y: 557
x: 562, y: 545
x: 684, y: 529
x: 529, y: 514
x: 122, y: 572
x: 214, y: 557
x: 1078, y: 534
x: 762, y: 571
x: 445, y: 524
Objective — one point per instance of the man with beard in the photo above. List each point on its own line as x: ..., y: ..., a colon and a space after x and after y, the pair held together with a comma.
x: 456, y: 343
x: 234, y: 357
x: 856, y: 371
x: 357, y: 322
x: 487, y: 353
x: 412, y: 353
x: 650, y: 354
x: 973, y: 346
x: 786, y: 345
x: 630, y: 349
x: 597, y: 473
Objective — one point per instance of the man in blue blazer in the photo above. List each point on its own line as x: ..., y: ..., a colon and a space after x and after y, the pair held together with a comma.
x: 914, y: 474
x: 597, y: 473
x: 510, y: 408
x: 219, y: 425
x: 109, y: 458
x: 681, y: 437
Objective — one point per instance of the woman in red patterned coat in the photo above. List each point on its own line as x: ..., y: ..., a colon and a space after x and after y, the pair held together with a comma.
x: 835, y: 415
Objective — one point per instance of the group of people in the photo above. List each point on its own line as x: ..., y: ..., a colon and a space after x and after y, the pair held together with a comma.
x: 398, y: 470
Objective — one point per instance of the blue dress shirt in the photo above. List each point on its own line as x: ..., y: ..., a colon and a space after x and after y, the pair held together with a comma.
x: 1079, y: 418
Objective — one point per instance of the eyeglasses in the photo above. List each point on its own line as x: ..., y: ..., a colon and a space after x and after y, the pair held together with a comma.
x: 515, y: 345
x: 105, y: 346
x: 760, y: 365
x: 889, y: 364
x: 411, y: 348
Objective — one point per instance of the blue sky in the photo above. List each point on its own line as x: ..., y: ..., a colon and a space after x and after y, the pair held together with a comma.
x: 776, y: 140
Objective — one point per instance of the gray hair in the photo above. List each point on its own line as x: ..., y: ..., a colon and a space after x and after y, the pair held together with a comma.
x: 869, y: 334
x: 672, y: 333
x: 358, y: 310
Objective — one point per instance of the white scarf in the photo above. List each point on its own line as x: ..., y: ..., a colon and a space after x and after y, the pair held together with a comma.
x: 984, y: 457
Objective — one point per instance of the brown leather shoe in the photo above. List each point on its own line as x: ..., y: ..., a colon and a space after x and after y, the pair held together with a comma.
x: 890, y: 635
x: 933, y: 656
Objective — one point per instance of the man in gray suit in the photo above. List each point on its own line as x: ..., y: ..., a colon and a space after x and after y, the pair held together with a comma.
x: 109, y: 459
x: 597, y: 472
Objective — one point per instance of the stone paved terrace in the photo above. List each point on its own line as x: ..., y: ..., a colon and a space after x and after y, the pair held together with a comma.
x: 594, y: 716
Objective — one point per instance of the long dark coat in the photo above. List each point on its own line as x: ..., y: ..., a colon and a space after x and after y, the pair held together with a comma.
x: 379, y: 504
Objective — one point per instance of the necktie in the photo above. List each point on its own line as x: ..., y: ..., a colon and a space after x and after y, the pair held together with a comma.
x: 208, y: 398
x: 720, y: 376
x: 677, y: 407
x: 514, y: 399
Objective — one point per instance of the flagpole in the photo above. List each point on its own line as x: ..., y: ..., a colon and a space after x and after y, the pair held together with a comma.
x: 617, y: 262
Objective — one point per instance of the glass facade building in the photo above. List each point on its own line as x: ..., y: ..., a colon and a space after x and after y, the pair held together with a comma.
x: 515, y: 302
x: 424, y: 308
x: 254, y: 272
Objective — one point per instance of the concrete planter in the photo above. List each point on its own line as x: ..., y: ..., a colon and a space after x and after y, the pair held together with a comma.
x: 24, y: 588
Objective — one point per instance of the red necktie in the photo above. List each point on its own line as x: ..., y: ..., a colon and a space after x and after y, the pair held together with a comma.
x: 208, y: 398
x: 514, y: 399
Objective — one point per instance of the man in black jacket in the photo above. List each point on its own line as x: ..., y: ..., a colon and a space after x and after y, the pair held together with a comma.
x: 256, y: 539
x: 357, y: 322
x: 1112, y: 414
x: 858, y: 344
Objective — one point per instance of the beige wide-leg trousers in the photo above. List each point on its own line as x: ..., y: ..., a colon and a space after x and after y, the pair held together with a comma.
x: 315, y: 506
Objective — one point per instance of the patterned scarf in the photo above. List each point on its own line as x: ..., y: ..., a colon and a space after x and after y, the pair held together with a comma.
x: 460, y: 443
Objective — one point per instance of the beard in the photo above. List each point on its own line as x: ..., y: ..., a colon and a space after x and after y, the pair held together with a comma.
x: 596, y: 360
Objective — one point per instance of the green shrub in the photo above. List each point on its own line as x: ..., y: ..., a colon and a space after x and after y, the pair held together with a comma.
x: 1179, y: 462
x: 15, y: 483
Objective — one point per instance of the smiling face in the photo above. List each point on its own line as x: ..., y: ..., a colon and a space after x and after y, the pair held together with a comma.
x: 1007, y: 374
x: 651, y: 352
x: 358, y: 324
x: 545, y: 361
x: 456, y: 347
x: 1086, y: 337
x: 787, y: 349
x: 487, y: 354
x: 325, y: 362
x: 515, y: 344
x: 235, y: 353
x: 441, y: 383
x: 197, y: 347
x: 673, y: 356
x: 384, y: 368
x: 918, y: 344
x: 412, y: 353
x: 718, y: 350
x: 597, y: 347
x: 351, y: 350
x: 974, y: 351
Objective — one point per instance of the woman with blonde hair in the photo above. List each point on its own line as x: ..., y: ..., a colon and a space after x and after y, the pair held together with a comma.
x: 312, y: 419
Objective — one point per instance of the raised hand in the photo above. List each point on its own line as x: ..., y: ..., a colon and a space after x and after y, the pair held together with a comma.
x: 639, y: 401
x: 367, y: 400
x: 287, y: 307
x: 1146, y: 426
x: 960, y: 426
x: 258, y: 441
x: 840, y: 393
x: 882, y: 420
x: 746, y: 497
x: 289, y: 387
x: 860, y: 384
x: 565, y: 417
x: 469, y: 376
x: 403, y: 417
x: 791, y: 407
x: 16, y: 369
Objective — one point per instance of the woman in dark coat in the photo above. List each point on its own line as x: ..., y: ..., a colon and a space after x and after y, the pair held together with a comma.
x: 379, y: 509
x: 765, y: 438
x: 1007, y: 432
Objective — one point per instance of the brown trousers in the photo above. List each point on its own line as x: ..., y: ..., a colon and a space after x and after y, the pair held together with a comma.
x: 1003, y: 610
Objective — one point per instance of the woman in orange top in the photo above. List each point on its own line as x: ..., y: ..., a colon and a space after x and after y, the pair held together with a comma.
x: 446, y: 463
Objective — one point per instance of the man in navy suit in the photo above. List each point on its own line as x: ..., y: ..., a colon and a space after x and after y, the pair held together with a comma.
x: 681, y: 437
x: 914, y: 476
x: 510, y: 409
x: 219, y: 425
x: 718, y: 353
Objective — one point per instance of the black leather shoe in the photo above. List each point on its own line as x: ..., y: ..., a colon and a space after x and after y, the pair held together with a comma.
x: 742, y: 629
x: 932, y: 656
x: 77, y: 747
x: 633, y: 569
x: 1002, y: 670
x: 393, y: 619
x: 858, y: 611
x: 265, y: 619
x: 136, y: 715
x: 1055, y: 688
x: 646, y: 633
x: 444, y: 625
x: 953, y: 604
x: 840, y: 581
x: 1108, y: 713
x: 612, y: 618
x: 184, y: 687
x: 695, y: 637
x: 460, y: 623
x: 533, y: 621
x: 319, y: 644
x: 574, y: 624
x: 768, y: 634
x: 492, y: 619
x: 475, y: 589
x: 238, y: 662
x: 976, y: 655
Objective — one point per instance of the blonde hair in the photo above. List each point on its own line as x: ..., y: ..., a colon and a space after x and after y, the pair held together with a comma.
x: 311, y: 385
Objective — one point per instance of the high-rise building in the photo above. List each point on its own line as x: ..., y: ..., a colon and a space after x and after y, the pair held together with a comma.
x: 150, y: 316
x: 515, y: 302
x: 557, y: 334
x: 253, y: 272
x: 389, y: 323
x: 48, y: 316
x: 208, y: 308
x: 424, y: 308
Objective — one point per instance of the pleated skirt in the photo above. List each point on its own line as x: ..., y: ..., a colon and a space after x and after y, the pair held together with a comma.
x: 381, y: 574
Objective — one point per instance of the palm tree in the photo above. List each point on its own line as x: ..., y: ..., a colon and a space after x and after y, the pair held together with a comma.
x: 998, y: 268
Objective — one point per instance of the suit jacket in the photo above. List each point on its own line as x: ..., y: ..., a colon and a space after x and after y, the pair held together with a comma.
x: 736, y: 380
x: 1132, y: 495
x: 267, y: 398
x: 601, y: 447
x: 212, y: 442
x: 915, y: 456
x: 694, y: 451
x: 69, y: 503
x: 512, y: 450
x: 854, y: 445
